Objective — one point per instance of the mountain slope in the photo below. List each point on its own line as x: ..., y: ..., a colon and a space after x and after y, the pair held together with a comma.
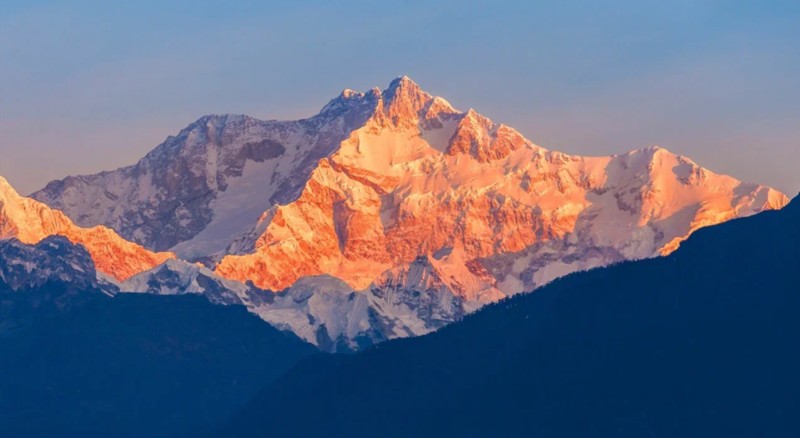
x: 411, y: 300
x: 701, y: 342
x: 377, y: 179
x: 208, y: 184
x: 30, y: 221
x: 77, y: 362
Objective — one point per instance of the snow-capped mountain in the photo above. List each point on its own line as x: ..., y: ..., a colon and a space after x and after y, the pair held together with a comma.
x: 31, y: 221
x: 410, y: 300
x: 704, y: 339
x: 390, y: 213
x: 420, y: 176
x: 176, y: 277
x: 199, y: 190
x: 328, y: 313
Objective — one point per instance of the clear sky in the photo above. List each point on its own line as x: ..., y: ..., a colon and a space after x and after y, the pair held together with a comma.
x: 93, y: 85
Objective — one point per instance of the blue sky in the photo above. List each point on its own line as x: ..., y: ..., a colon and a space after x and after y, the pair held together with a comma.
x: 93, y: 85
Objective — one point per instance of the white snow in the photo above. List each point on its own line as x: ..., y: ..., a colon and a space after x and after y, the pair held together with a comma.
x: 235, y: 210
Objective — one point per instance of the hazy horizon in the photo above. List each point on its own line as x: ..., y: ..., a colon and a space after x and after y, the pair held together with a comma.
x: 88, y: 87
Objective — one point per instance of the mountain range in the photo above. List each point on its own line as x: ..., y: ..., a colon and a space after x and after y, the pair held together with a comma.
x: 75, y: 361
x: 389, y: 214
x: 701, y: 341
x: 203, y: 289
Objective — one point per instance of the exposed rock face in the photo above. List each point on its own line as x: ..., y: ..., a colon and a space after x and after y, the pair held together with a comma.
x: 30, y: 221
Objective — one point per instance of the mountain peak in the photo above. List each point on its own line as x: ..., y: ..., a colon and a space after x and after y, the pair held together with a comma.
x: 403, y: 82
x: 350, y: 99
x: 5, y: 187
x: 404, y: 101
x: 405, y: 88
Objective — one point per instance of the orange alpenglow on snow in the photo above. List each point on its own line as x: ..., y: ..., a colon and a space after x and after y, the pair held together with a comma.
x: 381, y: 185
x: 420, y: 176
x: 31, y: 221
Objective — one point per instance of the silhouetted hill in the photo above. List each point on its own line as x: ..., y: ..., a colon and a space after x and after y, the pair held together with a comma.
x: 703, y: 342
x: 80, y: 363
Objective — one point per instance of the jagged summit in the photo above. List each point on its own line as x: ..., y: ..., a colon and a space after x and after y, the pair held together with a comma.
x: 403, y: 88
x: 401, y: 93
x: 402, y: 81
x: 403, y: 103
x: 5, y: 187
x: 350, y: 100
